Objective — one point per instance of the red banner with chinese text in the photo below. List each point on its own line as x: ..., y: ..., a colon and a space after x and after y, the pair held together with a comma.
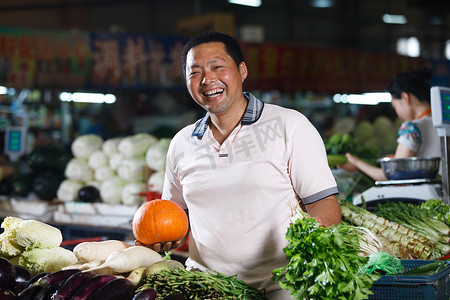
x: 291, y: 68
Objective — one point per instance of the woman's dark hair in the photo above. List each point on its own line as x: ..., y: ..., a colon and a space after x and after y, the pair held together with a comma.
x: 231, y: 46
x: 415, y: 82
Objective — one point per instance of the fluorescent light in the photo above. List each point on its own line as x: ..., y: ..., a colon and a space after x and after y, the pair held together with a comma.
x: 394, y: 19
x: 322, y: 3
x: 66, y: 97
x: 7, y: 91
x: 253, y: 3
x: 409, y: 46
x: 366, y: 98
x: 447, y: 49
x: 87, y: 97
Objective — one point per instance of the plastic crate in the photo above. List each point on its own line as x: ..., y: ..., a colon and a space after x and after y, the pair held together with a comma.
x: 435, y: 286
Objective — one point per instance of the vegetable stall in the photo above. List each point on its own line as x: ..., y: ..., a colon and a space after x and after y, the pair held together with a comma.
x: 97, y: 182
x: 399, y: 249
x: 366, y: 256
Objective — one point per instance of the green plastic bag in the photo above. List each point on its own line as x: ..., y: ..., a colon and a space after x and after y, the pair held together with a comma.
x: 382, y: 263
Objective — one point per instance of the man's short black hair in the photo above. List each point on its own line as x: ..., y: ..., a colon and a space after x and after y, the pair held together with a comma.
x: 231, y: 46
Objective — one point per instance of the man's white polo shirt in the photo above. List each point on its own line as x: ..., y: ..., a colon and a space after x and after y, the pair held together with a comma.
x: 240, y: 194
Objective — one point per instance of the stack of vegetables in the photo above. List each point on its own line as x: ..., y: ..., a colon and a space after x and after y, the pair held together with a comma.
x: 119, y: 168
x: 130, y: 273
x: 112, y: 269
x: 406, y: 230
x: 34, y: 245
x: 381, y: 134
x: 323, y: 263
x: 418, y: 219
x: 46, y: 171
x: 337, y: 145
x: 343, y: 261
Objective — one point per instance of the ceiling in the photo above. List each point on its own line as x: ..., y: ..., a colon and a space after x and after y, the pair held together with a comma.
x: 349, y: 23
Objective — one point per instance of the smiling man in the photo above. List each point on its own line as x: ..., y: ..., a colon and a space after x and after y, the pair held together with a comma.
x: 241, y: 168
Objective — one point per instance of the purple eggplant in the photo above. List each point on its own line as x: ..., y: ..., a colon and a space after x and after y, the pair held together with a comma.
x: 71, y: 285
x: 117, y: 289
x: 22, y: 274
x: 29, y: 293
x: 51, y: 280
x: 91, y: 285
x: 37, y: 277
x: 147, y: 294
x: 30, y: 290
x: 59, y: 276
x: 19, y: 287
x: 7, y: 274
x: 6, y: 294
x: 46, y: 291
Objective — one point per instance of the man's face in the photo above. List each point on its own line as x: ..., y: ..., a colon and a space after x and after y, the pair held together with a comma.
x: 212, y: 77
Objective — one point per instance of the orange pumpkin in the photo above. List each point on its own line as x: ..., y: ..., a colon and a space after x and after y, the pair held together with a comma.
x: 159, y: 221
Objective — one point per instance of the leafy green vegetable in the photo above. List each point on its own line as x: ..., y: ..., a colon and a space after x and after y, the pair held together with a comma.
x: 40, y: 260
x: 323, y: 262
x: 437, y: 209
x: 339, y: 144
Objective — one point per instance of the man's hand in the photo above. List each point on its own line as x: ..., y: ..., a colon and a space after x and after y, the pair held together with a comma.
x: 161, y: 247
x: 324, y: 222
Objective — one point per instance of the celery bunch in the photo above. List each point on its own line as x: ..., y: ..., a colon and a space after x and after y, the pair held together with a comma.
x: 323, y: 262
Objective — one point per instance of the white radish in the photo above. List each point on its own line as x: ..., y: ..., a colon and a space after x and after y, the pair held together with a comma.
x: 91, y: 264
x: 98, y: 251
x: 77, y: 265
x: 97, y: 271
x: 123, y: 261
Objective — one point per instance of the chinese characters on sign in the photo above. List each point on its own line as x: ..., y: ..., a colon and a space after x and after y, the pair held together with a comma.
x: 34, y: 58
x: 135, y: 61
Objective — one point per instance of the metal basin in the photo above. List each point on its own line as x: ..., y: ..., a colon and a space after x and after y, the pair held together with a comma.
x: 410, y: 168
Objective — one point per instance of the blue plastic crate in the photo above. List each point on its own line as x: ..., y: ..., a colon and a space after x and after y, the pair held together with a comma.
x: 433, y: 287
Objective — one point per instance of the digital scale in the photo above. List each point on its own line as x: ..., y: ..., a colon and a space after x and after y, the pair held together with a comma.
x: 417, y: 190
x: 440, y: 107
x: 15, y: 138
x: 412, y: 190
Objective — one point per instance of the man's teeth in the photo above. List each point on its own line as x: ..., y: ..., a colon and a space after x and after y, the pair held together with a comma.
x: 213, y: 92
